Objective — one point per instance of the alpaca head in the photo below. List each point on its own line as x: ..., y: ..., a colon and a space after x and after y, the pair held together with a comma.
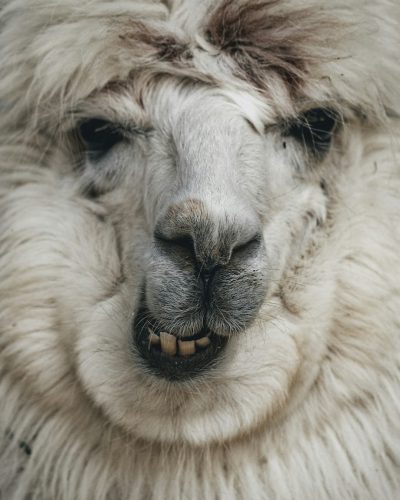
x: 189, y: 172
x: 211, y: 210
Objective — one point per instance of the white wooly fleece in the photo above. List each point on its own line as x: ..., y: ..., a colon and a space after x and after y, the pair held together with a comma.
x: 339, y: 438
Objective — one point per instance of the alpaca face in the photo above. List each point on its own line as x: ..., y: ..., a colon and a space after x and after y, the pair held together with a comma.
x: 187, y: 183
x: 207, y: 213
x: 199, y: 234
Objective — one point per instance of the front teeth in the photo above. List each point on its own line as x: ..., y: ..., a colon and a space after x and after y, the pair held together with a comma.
x: 186, y: 347
x: 203, y: 342
x: 153, y: 338
x: 169, y: 344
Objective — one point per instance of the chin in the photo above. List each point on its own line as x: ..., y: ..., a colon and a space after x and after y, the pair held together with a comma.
x: 199, y: 265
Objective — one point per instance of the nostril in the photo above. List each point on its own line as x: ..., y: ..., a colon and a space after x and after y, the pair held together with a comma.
x: 248, y: 246
x: 182, y: 241
x: 185, y: 242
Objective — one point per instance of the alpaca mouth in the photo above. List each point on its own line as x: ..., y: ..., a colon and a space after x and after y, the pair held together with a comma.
x: 173, y: 357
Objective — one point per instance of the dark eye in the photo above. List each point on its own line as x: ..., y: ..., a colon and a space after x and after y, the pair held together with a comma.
x: 99, y: 136
x: 314, y: 129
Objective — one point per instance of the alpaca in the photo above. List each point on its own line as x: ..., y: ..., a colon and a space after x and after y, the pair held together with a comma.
x: 199, y: 250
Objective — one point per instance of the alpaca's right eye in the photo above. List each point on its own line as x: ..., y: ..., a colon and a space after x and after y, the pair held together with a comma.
x: 99, y: 136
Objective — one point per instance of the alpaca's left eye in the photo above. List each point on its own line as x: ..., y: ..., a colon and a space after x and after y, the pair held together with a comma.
x: 99, y: 136
x: 314, y: 129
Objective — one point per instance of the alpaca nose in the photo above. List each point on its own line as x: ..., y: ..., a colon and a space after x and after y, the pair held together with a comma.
x: 210, y: 237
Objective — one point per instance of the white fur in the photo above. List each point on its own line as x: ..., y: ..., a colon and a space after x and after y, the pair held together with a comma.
x: 305, y: 403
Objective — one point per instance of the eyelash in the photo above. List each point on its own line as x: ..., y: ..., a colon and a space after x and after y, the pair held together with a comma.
x: 314, y: 129
x: 99, y: 137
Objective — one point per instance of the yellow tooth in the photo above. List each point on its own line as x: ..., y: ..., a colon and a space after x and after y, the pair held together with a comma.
x: 186, y: 347
x: 168, y: 343
x: 203, y: 342
x: 154, y: 339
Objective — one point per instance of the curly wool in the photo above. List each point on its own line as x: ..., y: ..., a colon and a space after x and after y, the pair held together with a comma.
x: 339, y: 438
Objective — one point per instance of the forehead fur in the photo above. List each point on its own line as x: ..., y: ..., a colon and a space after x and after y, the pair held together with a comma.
x: 262, y: 37
x: 159, y: 44
x: 54, y: 55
